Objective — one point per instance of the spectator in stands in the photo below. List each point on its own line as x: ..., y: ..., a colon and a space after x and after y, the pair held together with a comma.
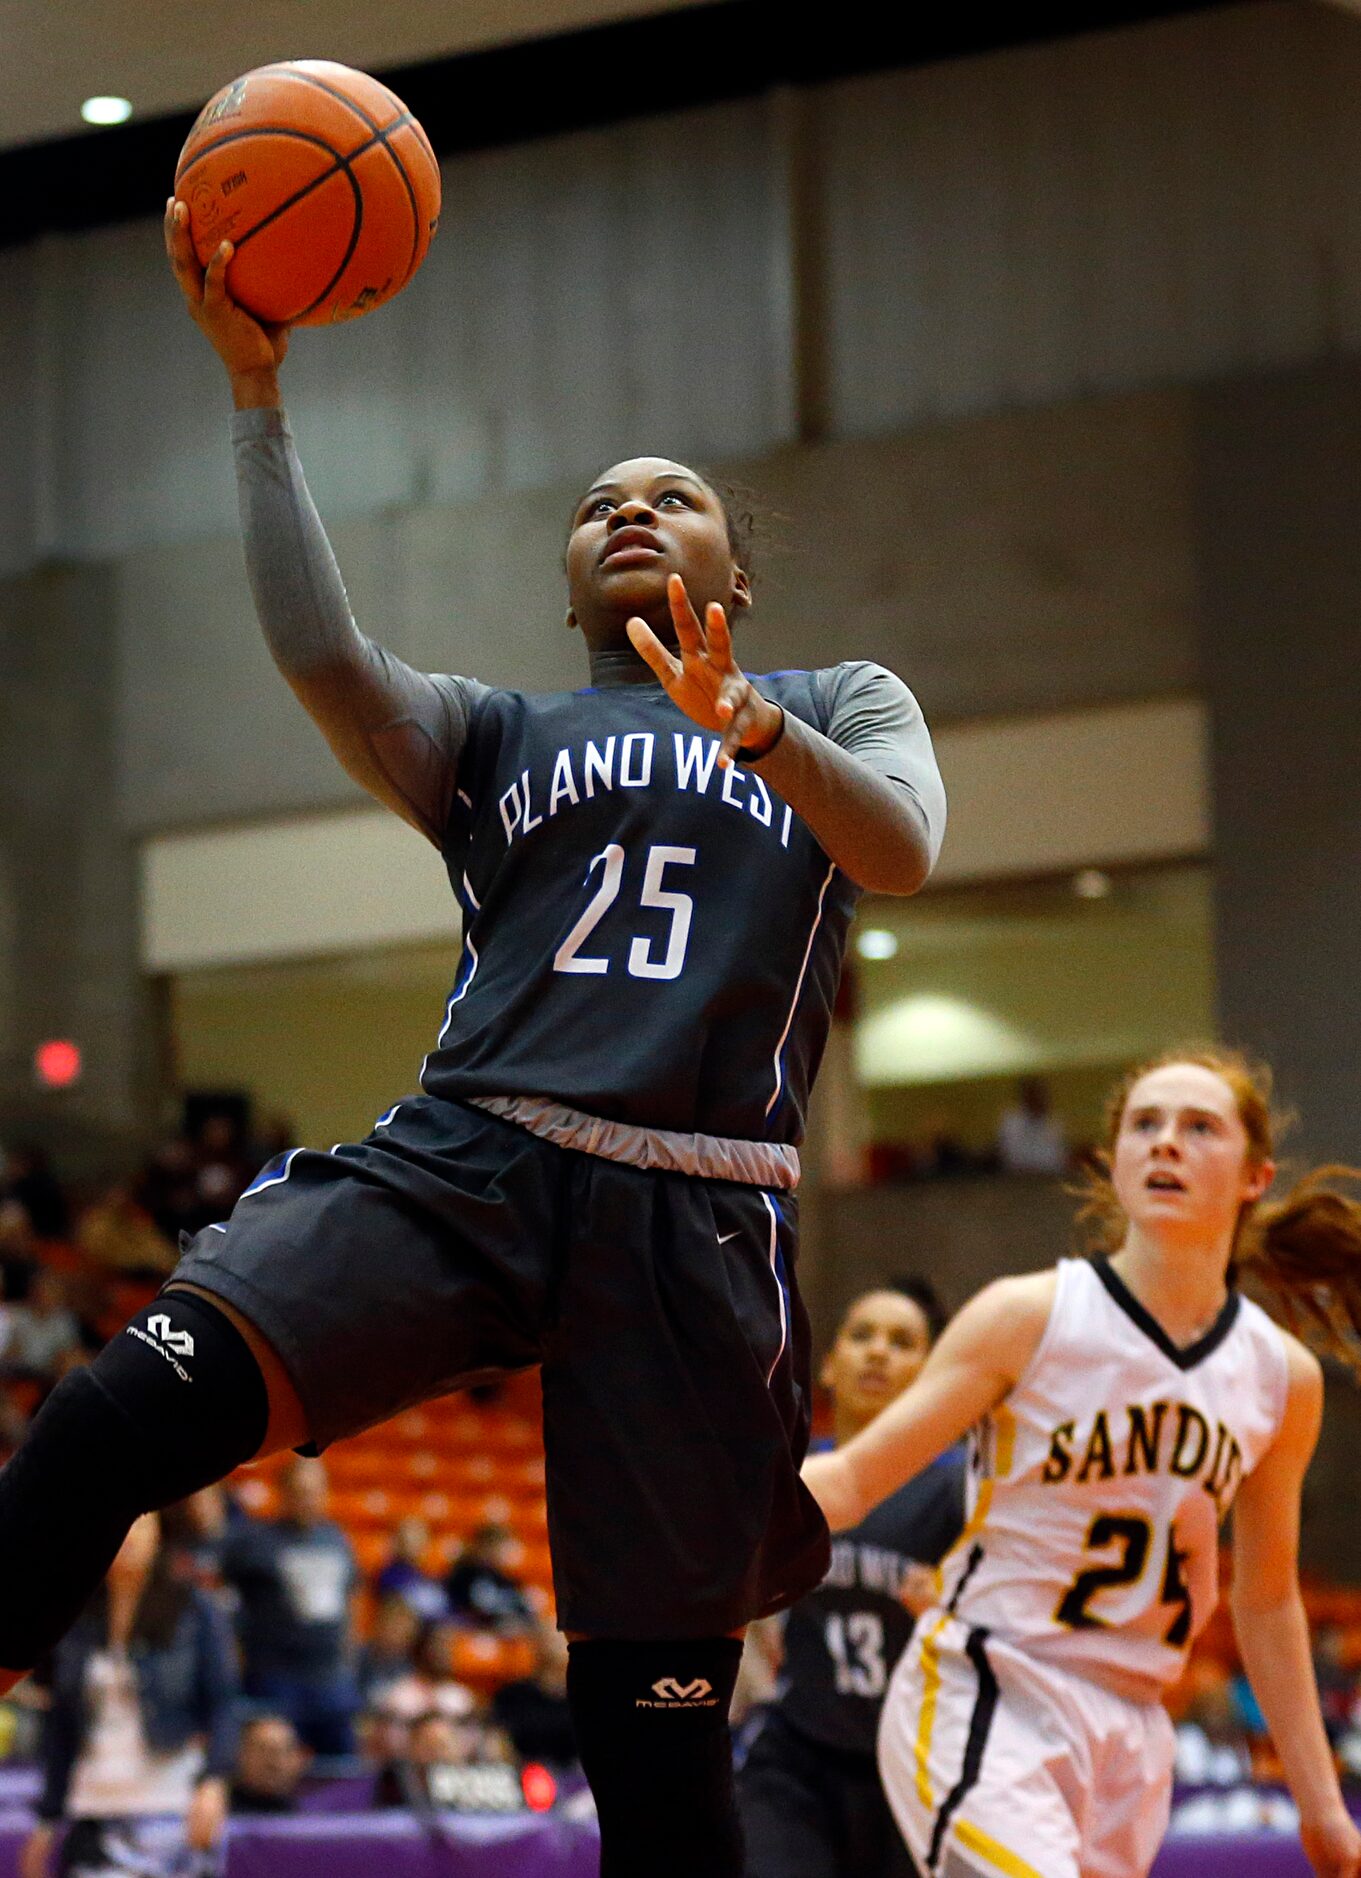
x: 404, y: 1575
x: 390, y: 1652
x: 481, y: 1589
x: 142, y: 1721
x: 213, y: 1514
x: 41, y: 1338
x: 429, y: 1685
x: 270, y: 1765
x: 943, y: 1155
x: 534, y: 1712
x: 29, y: 1179
x: 295, y: 1577
x: 119, y: 1234
x: 223, y: 1172
x: 1030, y: 1139
x: 1212, y: 1749
x: 168, y: 1189
x: 1336, y: 1680
x: 433, y: 1741
x: 18, y: 1249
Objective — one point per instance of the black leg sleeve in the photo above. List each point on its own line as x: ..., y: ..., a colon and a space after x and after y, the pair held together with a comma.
x: 652, y: 1727
x: 173, y: 1402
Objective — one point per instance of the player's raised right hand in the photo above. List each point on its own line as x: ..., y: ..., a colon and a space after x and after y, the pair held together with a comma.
x: 248, y: 348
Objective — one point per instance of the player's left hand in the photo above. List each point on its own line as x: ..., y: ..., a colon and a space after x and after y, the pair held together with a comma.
x: 706, y: 681
x: 1332, y: 1846
x: 207, y: 1815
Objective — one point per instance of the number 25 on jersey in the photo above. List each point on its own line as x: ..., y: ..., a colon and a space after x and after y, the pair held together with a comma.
x: 1133, y: 1534
x: 641, y: 961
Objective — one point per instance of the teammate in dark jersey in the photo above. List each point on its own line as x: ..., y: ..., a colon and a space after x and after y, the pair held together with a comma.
x: 597, y: 1175
x: 810, y: 1794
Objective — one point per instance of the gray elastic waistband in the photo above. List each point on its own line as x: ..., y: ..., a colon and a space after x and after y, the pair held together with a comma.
x: 708, y: 1157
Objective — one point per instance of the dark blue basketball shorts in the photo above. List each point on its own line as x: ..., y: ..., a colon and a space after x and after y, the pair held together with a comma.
x: 451, y: 1247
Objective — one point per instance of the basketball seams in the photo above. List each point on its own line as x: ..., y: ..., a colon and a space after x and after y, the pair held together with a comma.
x: 348, y: 256
x: 403, y: 121
x: 257, y: 130
x: 332, y: 91
x: 338, y: 163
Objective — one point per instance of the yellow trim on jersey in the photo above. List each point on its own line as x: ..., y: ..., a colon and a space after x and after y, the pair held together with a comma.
x: 927, y: 1720
x: 1003, y: 1453
x: 976, y: 1840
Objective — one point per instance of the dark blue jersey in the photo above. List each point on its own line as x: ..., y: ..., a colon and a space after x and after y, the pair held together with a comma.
x: 648, y: 937
x: 841, y: 1642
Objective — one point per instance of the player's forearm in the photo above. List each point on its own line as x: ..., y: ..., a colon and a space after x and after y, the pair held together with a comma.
x: 1273, y: 1640
x: 299, y: 595
x: 832, y: 1484
x: 390, y: 727
x: 865, y: 823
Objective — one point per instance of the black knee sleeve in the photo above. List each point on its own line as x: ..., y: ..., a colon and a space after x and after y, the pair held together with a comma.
x: 652, y: 1729
x: 171, y: 1404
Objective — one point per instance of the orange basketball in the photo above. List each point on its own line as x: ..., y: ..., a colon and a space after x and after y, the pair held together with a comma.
x: 323, y: 181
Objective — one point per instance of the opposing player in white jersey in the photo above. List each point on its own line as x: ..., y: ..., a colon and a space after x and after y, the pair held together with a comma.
x: 1119, y: 1406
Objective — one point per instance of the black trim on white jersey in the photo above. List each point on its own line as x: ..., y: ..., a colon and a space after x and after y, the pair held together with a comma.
x: 1144, y: 1320
x: 974, y: 1561
x: 980, y: 1723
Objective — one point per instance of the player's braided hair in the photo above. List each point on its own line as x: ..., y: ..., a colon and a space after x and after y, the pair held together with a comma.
x: 1302, y: 1252
x: 741, y: 513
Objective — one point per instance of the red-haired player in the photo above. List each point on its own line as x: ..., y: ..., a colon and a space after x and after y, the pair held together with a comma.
x: 1121, y: 1405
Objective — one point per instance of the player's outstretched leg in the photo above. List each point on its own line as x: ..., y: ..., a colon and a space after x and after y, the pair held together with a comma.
x: 171, y: 1404
x: 651, y: 1722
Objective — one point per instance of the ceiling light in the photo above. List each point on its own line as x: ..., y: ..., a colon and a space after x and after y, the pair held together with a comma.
x: 1091, y: 883
x: 106, y: 110
x: 876, y: 943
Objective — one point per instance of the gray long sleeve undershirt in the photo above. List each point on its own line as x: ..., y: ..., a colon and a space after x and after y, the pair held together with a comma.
x: 869, y: 790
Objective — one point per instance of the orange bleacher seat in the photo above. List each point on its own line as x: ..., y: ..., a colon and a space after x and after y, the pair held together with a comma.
x: 536, y: 1566
x: 367, y: 1509
x: 530, y: 1522
x: 484, y: 1662
x: 452, y: 1463
x: 1331, y: 1603
x: 1350, y: 1652
x: 372, y: 1551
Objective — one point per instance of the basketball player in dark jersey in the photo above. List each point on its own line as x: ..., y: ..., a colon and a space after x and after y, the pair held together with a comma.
x: 811, y: 1799
x: 656, y: 874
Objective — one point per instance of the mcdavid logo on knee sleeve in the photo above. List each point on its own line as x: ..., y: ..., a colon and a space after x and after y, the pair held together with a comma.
x: 171, y: 1344
x: 673, y: 1694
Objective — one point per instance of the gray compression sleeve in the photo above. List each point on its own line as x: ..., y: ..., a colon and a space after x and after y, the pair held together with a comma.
x: 870, y: 789
x: 397, y: 731
x: 876, y: 718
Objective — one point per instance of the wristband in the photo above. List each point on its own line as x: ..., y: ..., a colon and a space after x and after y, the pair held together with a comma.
x: 744, y: 755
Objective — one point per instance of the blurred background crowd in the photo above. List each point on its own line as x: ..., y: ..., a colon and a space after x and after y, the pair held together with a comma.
x: 390, y: 1604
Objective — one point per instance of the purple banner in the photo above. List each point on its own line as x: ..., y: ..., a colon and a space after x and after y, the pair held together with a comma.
x: 356, y: 1845
x: 1242, y: 1855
